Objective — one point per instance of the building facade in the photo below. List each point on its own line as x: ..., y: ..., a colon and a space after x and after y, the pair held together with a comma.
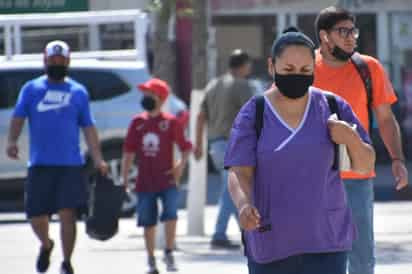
x: 386, y: 29
x: 385, y: 26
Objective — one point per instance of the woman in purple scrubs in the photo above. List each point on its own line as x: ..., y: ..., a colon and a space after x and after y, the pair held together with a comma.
x: 291, y: 201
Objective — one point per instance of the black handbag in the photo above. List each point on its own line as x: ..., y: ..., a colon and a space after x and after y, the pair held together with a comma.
x: 105, y: 202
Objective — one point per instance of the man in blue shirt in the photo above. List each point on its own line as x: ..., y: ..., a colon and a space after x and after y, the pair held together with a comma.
x: 56, y: 107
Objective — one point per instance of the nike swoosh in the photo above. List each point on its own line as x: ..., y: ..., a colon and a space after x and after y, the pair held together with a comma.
x: 42, y: 107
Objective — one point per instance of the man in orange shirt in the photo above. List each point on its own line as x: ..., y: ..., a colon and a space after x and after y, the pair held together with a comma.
x: 337, y: 34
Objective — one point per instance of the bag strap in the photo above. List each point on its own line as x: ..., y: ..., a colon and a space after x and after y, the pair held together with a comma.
x: 364, y: 72
x: 333, y: 107
x: 260, y: 106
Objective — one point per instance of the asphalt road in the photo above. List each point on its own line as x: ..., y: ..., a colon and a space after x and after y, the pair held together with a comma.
x: 125, y: 252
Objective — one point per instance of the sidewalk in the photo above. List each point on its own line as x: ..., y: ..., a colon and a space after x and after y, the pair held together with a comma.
x: 393, y: 234
x: 125, y: 252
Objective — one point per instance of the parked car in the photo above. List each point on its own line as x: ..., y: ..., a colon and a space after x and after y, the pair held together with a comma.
x: 114, y: 101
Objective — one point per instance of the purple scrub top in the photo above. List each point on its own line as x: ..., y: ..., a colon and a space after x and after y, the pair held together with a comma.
x: 300, y: 198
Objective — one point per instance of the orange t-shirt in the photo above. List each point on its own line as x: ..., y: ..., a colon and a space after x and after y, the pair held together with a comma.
x: 346, y: 82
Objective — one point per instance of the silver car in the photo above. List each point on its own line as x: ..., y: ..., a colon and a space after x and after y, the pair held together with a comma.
x: 114, y: 101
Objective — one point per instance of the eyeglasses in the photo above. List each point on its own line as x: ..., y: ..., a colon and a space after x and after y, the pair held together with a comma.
x: 345, y: 32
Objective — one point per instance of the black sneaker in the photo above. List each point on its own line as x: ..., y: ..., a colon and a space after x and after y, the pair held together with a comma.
x: 66, y: 268
x: 224, y: 244
x: 152, y: 266
x: 43, y: 260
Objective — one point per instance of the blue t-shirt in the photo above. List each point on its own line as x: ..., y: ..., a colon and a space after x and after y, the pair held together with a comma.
x: 55, y: 112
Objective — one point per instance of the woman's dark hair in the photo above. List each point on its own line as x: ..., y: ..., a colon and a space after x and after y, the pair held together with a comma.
x: 329, y: 17
x: 291, y: 37
x: 238, y: 58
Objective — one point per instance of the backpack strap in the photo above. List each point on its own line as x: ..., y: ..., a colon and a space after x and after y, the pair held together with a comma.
x: 260, y: 106
x: 365, y: 74
x: 333, y: 106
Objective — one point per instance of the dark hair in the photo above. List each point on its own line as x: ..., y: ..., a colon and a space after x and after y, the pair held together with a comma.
x: 329, y: 17
x: 238, y: 58
x: 291, y: 37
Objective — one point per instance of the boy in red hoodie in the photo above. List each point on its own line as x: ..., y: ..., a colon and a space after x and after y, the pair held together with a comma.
x: 150, y: 139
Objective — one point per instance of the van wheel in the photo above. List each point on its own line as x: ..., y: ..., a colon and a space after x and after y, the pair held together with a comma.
x: 112, y: 156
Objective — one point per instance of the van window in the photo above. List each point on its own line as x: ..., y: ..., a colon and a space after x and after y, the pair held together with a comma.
x: 101, y: 85
x: 11, y: 82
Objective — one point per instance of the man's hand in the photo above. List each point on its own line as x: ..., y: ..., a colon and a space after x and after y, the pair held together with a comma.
x: 102, y: 167
x: 400, y: 172
x: 249, y: 217
x: 391, y: 136
x: 198, y: 152
x: 16, y: 126
x: 13, y: 151
x: 92, y: 140
x: 177, y: 171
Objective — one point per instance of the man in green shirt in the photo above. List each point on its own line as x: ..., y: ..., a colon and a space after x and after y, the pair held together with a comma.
x: 223, y: 100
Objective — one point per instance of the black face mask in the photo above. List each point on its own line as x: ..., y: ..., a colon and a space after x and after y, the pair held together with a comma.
x: 293, y: 86
x: 340, y: 54
x: 56, y: 72
x: 148, y: 103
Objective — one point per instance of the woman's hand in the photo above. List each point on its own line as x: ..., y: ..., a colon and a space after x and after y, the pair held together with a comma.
x: 249, y: 217
x: 341, y: 132
x: 362, y: 155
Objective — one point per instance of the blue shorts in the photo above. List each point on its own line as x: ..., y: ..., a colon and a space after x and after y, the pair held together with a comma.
x: 317, y: 263
x: 52, y: 188
x: 147, y: 209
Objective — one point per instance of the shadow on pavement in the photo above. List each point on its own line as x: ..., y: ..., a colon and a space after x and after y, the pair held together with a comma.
x: 393, y: 253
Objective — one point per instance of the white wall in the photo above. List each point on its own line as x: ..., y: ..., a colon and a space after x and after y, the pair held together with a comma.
x: 117, y: 4
x: 229, y: 38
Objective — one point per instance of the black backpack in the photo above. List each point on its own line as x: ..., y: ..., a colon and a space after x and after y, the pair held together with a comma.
x: 333, y: 106
x: 365, y: 74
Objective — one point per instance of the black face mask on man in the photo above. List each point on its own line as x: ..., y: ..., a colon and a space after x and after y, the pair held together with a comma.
x: 148, y: 103
x: 56, y: 72
x: 338, y: 52
x: 341, y: 54
x: 293, y: 86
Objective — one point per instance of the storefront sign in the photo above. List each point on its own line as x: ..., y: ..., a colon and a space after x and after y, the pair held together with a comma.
x: 32, y: 6
x: 225, y: 5
x: 230, y: 5
x: 217, y: 5
x: 407, y: 88
x: 357, y: 3
x: 402, y: 31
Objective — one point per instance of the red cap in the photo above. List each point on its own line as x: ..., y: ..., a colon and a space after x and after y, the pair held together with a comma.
x: 157, y: 87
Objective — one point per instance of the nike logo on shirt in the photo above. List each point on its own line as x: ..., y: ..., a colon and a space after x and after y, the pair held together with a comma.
x: 54, y: 100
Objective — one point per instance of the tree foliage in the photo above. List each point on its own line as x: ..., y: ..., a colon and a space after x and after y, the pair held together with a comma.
x: 168, y: 7
x: 165, y: 51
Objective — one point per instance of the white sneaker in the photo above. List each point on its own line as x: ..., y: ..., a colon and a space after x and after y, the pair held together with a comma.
x: 169, y: 260
x: 152, y: 266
